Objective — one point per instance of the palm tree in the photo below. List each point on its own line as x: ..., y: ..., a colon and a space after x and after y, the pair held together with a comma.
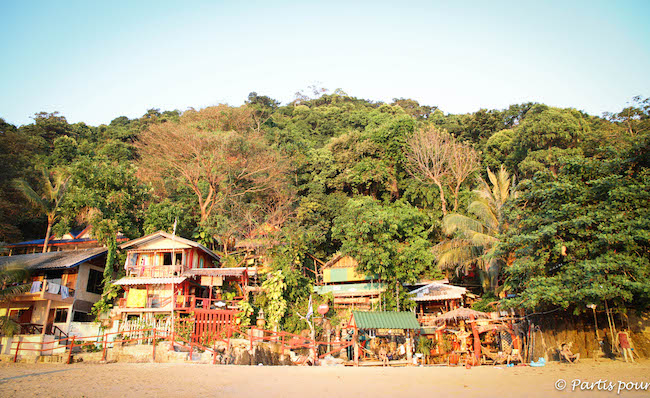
x: 55, y: 185
x: 476, y: 237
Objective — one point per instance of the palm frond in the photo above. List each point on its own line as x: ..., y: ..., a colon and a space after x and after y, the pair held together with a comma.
x: 13, y: 291
x: 486, y: 213
x: 504, y: 185
x: 486, y: 241
x: 458, y: 222
x: 32, y: 197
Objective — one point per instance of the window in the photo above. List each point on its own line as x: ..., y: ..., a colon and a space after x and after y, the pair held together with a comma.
x: 61, y: 315
x: 78, y: 316
x: 167, y: 259
x: 94, y: 282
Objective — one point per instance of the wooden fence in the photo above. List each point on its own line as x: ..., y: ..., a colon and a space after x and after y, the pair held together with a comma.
x: 211, y: 323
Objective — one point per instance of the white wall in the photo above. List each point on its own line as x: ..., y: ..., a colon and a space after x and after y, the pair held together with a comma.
x: 82, y: 283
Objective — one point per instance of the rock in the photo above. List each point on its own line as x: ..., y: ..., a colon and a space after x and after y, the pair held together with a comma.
x: 243, y: 358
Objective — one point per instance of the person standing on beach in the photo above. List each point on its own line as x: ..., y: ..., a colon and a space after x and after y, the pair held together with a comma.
x: 624, y: 342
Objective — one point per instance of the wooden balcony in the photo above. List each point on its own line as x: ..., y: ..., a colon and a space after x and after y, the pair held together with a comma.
x: 426, y: 319
x: 185, y: 303
x: 158, y: 271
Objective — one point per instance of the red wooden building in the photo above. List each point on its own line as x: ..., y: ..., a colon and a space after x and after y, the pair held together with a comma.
x: 166, y: 274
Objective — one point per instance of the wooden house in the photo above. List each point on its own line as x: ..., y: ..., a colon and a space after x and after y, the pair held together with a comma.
x: 166, y: 273
x: 64, y: 287
x: 350, y: 288
x: 436, y: 298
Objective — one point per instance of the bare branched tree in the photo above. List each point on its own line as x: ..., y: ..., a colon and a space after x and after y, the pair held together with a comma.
x: 218, y: 165
x: 462, y: 161
x: 435, y: 156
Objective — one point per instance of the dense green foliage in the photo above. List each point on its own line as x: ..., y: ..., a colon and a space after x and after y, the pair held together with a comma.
x: 333, y: 173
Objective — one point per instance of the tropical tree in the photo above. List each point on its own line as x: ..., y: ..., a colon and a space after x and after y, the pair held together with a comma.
x: 476, y: 236
x: 583, y: 237
x: 12, y: 284
x: 391, y: 241
x: 436, y: 156
x: 55, y: 186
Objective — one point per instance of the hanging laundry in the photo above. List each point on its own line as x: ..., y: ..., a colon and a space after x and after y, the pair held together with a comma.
x: 65, y: 293
x: 36, y: 287
x: 53, y: 288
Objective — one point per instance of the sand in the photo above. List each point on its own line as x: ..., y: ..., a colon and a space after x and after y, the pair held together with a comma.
x: 200, y: 380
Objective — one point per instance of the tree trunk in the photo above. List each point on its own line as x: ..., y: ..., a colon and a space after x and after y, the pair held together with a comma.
x: 397, y: 294
x: 47, y: 235
x: 493, y: 275
x: 442, y: 197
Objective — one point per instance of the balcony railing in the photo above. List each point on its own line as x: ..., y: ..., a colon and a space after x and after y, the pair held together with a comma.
x: 426, y: 319
x: 35, y: 328
x: 158, y: 271
x: 184, y: 302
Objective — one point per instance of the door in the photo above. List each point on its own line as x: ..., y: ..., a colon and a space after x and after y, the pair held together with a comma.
x: 50, y: 321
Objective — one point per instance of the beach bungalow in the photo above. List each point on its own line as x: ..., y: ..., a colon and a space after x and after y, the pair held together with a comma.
x: 351, y: 289
x: 438, y: 297
x: 64, y: 287
x: 166, y: 273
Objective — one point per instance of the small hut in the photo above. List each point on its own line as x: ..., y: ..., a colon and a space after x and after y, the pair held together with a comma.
x: 437, y: 297
x: 351, y: 289
x: 384, y: 323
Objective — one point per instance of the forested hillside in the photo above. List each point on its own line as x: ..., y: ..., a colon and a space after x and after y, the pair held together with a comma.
x: 548, y: 206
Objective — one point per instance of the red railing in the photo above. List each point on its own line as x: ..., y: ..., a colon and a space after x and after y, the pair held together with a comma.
x: 285, y: 339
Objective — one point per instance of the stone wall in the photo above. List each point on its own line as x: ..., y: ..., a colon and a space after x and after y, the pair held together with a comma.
x: 564, y: 327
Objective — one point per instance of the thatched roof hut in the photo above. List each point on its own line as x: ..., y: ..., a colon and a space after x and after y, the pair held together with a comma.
x: 460, y: 314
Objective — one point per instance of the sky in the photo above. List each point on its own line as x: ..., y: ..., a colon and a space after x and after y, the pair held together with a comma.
x: 93, y: 61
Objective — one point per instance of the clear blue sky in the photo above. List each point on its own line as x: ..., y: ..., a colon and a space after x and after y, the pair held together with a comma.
x: 94, y: 61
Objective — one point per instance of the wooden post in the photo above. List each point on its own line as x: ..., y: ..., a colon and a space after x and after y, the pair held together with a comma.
x: 356, y: 346
x: 154, y: 345
x: 409, y: 348
x: 282, y: 343
x: 71, y: 348
x: 17, y: 349
x: 477, y: 341
x: 250, y: 333
x: 47, y: 314
x: 105, y: 347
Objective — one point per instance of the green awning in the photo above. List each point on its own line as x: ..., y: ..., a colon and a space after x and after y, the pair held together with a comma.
x: 385, y: 320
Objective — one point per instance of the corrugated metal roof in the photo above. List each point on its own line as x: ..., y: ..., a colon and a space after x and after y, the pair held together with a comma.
x: 53, y: 260
x: 165, y: 235
x: 385, y: 320
x: 148, y: 281
x: 438, y: 291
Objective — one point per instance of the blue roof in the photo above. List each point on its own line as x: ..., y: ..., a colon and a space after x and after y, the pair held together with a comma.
x: 51, y: 242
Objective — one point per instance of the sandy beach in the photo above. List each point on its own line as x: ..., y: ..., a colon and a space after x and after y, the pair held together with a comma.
x: 173, y: 380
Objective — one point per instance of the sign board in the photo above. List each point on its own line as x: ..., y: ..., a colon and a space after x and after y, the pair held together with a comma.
x: 323, y: 308
x: 212, y: 280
